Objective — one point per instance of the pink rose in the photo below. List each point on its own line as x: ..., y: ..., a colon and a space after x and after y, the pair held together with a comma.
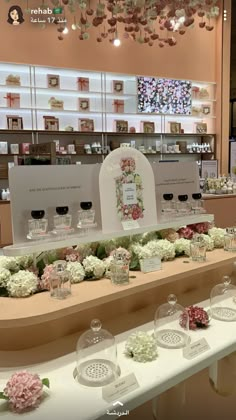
x: 185, y: 233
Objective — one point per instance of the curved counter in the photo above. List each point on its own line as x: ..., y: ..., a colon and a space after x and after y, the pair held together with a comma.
x: 39, y: 319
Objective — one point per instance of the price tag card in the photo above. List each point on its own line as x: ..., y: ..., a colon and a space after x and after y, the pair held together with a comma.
x: 195, y: 349
x: 150, y: 264
x: 130, y: 224
x: 121, y: 386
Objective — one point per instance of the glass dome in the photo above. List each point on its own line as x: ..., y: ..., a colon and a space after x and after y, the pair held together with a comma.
x: 171, y: 325
x: 222, y: 301
x: 96, y: 354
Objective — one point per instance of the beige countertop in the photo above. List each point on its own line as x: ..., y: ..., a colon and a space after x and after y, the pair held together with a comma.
x: 16, y: 312
x: 217, y: 196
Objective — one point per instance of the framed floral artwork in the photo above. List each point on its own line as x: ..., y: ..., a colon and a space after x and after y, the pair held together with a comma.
x: 51, y: 123
x: 14, y: 122
x: 147, y: 127
x: 118, y: 86
x: 129, y: 191
x: 201, y: 128
x: 84, y: 105
x: 86, y: 125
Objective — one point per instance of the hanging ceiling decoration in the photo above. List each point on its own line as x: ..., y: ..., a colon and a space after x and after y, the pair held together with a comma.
x: 151, y: 22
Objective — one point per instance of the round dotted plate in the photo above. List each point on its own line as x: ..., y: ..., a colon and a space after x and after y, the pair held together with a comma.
x: 224, y: 314
x: 172, y: 339
x: 96, y: 372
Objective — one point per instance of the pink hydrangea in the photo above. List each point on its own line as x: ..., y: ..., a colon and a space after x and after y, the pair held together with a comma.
x: 44, y: 283
x: 200, y: 227
x: 185, y: 232
x: 24, y: 390
x: 70, y: 254
x: 198, y: 318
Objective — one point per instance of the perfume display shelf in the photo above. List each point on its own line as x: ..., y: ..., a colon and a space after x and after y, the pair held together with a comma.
x: 33, y: 247
x: 68, y: 399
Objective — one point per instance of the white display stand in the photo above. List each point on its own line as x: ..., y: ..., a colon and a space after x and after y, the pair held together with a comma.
x: 45, y: 188
x: 72, y: 401
x: 127, y: 191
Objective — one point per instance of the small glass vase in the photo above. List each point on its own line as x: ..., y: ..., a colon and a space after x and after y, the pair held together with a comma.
x: 119, y: 269
x: 230, y: 240
x: 60, y: 281
x: 198, y: 249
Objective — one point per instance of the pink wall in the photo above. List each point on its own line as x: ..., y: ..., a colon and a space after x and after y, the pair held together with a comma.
x: 194, y: 57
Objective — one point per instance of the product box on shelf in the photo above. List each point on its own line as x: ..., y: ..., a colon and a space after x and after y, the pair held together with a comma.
x: 24, y: 148
x: 147, y: 127
x: 56, y: 104
x: 118, y: 106
x: 57, y: 144
x: 53, y: 81
x: 14, y: 122
x: 200, y: 128
x: 14, y: 149
x: 83, y: 84
x: 121, y: 126
x: 71, y: 148
x: 51, y: 123
x: 84, y: 105
x: 175, y: 127
x: 79, y: 147
x: 118, y: 86
x: 86, y: 124
x: 13, y: 100
x: 12, y: 80
x: 3, y: 148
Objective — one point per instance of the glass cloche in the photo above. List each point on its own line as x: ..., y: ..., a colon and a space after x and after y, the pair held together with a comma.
x: 222, y: 300
x: 171, y: 325
x: 96, y: 354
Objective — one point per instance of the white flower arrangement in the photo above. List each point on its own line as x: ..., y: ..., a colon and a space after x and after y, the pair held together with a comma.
x: 76, y: 270
x: 24, y: 261
x: 217, y: 235
x: 141, y: 347
x: 22, y: 284
x: 10, y: 263
x: 162, y: 248
x: 108, y: 262
x: 94, y: 268
x: 209, y: 242
x: 4, y: 277
x: 182, y: 246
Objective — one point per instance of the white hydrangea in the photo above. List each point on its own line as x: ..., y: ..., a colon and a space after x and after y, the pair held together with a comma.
x: 94, y: 267
x: 141, y: 347
x: 4, y: 277
x: 24, y: 261
x: 166, y: 249
x: 182, y: 246
x: 9, y: 263
x: 147, y: 237
x: 217, y: 235
x: 162, y: 248
x: 22, y: 284
x: 108, y: 261
x: 209, y: 242
x: 77, y: 271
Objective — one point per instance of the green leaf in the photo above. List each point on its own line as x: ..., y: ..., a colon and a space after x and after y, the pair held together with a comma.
x: 41, y: 265
x: 3, y: 292
x: 45, y: 382
x: 101, y: 253
x: 3, y: 396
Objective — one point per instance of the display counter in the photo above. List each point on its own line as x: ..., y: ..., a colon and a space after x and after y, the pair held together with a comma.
x: 223, y: 207
x: 39, y: 319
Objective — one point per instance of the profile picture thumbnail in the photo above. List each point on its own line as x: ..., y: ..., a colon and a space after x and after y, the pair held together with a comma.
x: 15, y: 15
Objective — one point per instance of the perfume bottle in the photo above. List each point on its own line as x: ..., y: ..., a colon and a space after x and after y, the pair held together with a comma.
x: 167, y: 205
x: 198, y: 249
x: 62, y: 221
x: 120, y: 268
x: 86, y: 216
x: 183, y: 206
x: 230, y: 240
x: 60, y: 281
x: 197, y: 203
x: 37, y: 225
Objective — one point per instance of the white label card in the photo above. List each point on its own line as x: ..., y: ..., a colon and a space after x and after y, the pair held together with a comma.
x: 129, y: 194
x: 130, y: 224
x: 121, y: 386
x: 195, y: 349
x: 150, y: 264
